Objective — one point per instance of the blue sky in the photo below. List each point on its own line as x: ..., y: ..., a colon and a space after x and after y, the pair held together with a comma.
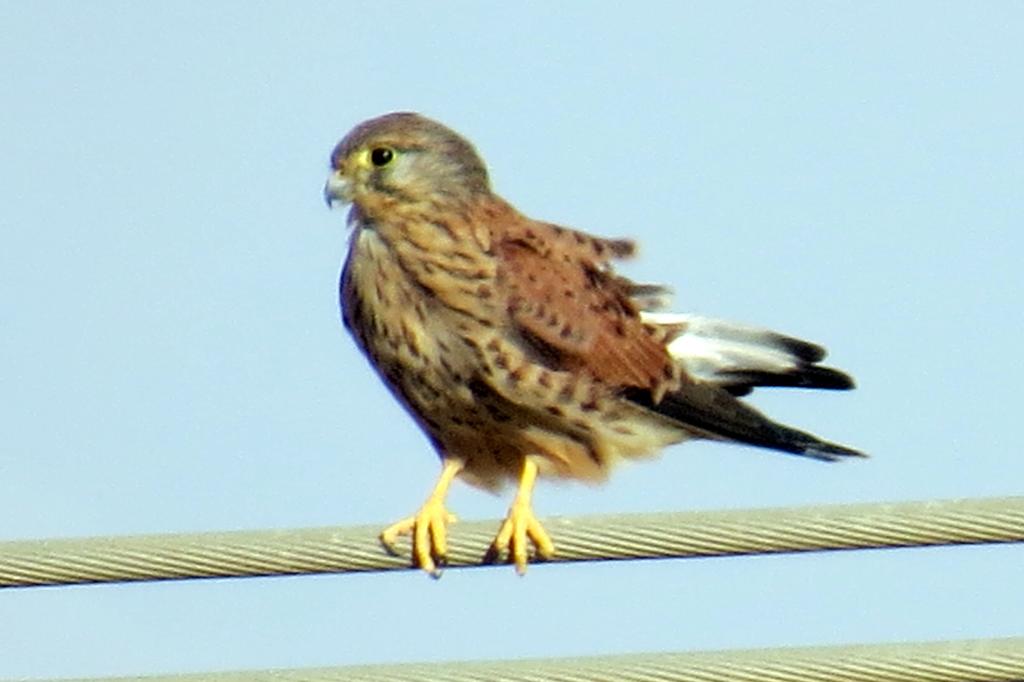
x: 172, y: 359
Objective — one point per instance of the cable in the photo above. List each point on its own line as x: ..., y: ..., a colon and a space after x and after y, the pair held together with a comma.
x: 991, y: 660
x: 634, y: 536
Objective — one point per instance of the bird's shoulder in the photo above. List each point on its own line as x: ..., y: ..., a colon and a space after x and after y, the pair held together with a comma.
x: 564, y: 299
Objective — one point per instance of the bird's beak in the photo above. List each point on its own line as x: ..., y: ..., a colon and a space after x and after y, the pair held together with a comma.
x: 337, y: 188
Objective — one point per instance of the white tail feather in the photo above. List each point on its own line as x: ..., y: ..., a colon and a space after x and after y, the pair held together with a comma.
x: 716, y: 350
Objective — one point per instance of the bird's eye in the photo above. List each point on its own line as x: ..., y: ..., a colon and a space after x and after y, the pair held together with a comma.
x: 381, y: 156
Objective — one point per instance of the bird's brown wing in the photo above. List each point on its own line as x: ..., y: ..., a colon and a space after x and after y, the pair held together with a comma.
x: 565, y: 302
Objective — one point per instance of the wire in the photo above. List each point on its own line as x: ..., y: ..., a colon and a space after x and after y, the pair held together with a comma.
x: 634, y: 536
x: 993, y: 659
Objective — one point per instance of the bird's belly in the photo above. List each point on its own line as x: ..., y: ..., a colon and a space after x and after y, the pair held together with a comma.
x: 435, y: 384
x: 416, y: 345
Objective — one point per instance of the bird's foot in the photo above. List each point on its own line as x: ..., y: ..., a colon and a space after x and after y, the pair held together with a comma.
x: 429, y: 531
x: 519, y: 526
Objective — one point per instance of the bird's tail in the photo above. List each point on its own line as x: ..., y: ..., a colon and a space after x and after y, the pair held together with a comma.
x: 710, y: 411
x: 740, y: 357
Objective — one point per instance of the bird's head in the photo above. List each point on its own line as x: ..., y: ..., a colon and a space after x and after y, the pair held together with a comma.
x: 403, y: 158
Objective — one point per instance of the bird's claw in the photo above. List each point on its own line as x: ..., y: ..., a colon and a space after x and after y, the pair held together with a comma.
x: 519, y: 527
x: 429, y: 531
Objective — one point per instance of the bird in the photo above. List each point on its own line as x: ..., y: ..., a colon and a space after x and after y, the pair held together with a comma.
x: 517, y: 347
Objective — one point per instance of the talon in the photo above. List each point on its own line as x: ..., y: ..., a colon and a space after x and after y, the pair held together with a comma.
x: 389, y: 536
x: 429, y: 527
x: 521, y: 527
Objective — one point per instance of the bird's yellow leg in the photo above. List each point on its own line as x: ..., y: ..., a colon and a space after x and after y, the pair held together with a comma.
x: 521, y: 524
x: 429, y: 526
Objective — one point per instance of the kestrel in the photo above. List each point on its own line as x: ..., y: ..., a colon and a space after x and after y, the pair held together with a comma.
x: 518, y: 349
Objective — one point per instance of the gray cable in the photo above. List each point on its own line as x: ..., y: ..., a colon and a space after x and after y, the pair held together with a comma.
x: 635, y: 536
x: 994, y: 659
